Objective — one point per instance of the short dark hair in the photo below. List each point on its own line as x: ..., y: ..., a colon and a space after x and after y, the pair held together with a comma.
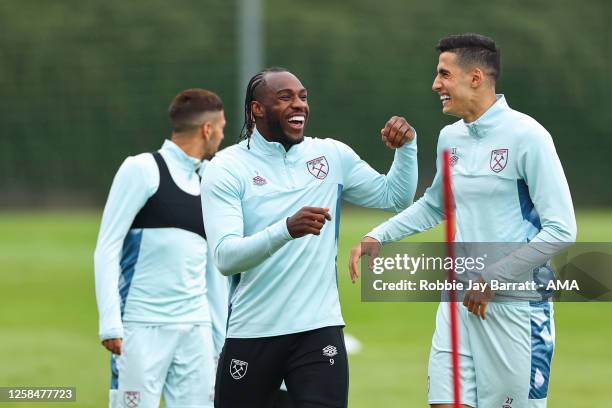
x: 189, y: 104
x: 473, y: 49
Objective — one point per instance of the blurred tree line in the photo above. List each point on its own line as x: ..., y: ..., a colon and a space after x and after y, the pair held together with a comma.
x: 85, y: 84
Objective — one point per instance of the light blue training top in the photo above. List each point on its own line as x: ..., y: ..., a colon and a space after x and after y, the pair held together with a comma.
x: 282, y: 285
x: 153, y: 276
x: 508, y: 186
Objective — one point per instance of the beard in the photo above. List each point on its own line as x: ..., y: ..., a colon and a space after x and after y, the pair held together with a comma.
x: 278, y: 134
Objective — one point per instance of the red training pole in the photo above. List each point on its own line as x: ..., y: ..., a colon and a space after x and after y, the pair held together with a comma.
x: 449, y: 210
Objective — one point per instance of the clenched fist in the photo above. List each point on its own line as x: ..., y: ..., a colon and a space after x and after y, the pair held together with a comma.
x: 397, y: 132
x: 308, y: 220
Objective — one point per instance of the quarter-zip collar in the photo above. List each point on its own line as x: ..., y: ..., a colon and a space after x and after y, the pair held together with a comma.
x: 488, y: 120
x: 261, y: 145
x: 183, y: 159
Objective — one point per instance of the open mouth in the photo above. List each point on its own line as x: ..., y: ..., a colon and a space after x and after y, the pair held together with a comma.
x: 445, y: 99
x: 297, y: 121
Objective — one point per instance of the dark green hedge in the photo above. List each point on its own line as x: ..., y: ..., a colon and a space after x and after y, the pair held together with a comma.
x: 86, y: 83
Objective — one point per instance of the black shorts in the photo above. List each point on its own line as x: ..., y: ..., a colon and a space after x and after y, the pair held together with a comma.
x: 313, y: 364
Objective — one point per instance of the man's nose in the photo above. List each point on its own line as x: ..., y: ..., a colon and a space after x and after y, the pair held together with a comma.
x: 299, y: 103
x: 436, y: 85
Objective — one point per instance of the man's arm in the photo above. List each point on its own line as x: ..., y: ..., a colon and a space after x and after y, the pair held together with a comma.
x: 541, y: 170
x: 423, y: 214
x: 549, y: 192
x: 128, y: 193
x: 217, y: 294
x: 223, y: 221
x: 365, y: 187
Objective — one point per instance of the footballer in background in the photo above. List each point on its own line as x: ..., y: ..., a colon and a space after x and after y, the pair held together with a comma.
x: 155, y: 294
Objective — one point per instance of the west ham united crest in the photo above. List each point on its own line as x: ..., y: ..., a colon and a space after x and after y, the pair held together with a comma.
x: 131, y: 399
x: 238, y: 368
x: 318, y: 167
x: 499, y: 159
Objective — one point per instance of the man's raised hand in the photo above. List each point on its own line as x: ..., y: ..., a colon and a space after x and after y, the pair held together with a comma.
x: 397, y: 132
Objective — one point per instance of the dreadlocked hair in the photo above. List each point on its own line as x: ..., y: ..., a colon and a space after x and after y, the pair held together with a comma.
x: 249, y: 121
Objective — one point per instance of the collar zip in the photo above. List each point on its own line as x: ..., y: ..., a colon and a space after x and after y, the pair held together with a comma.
x: 487, y: 120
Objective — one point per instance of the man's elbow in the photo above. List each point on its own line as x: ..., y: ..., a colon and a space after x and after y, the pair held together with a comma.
x: 565, y: 233
x: 572, y: 232
x: 222, y: 266
x: 224, y: 263
x: 408, y: 201
x: 569, y: 230
x: 225, y: 271
x: 404, y: 201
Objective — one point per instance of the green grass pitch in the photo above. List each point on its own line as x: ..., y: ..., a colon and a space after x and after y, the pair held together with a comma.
x: 48, y: 319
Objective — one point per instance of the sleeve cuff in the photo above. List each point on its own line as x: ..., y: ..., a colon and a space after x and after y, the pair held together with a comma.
x: 278, y: 235
x: 111, y: 334
x: 373, y: 234
x: 410, y: 144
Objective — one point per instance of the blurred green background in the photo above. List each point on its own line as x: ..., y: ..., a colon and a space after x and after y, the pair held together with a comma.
x: 84, y: 84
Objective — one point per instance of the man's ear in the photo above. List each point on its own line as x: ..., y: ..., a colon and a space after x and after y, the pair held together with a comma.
x: 257, y: 109
x: 206, y: 130
x: 478, y: 77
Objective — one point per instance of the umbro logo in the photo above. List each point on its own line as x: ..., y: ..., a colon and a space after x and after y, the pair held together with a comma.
x: 330, y: 351
x: 259, y: 181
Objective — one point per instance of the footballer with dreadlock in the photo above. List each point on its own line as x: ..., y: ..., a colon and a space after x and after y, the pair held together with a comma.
x: 272, y: 216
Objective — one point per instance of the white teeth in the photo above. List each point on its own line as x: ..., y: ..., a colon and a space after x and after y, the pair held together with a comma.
x: 445, y: 98
x: 297, y: 119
